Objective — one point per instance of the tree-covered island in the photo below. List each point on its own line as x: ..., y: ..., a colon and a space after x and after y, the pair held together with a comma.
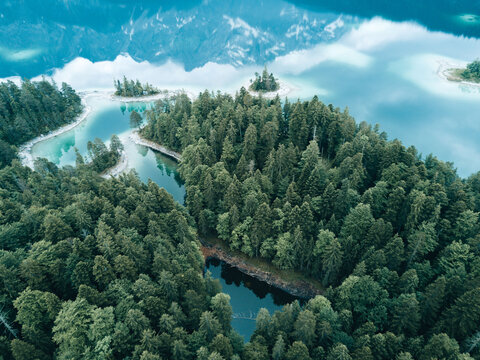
x: 264, y: 83
x: 130, y: 88
x: 470, y: 73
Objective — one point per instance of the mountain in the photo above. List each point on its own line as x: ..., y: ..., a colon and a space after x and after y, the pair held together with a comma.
x: 238, y: 33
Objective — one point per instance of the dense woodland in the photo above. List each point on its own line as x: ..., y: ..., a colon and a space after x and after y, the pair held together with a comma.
x: 130, y: 88
x: 30, y: 110
x: 264, y: 82
x: 393, y: 238
x: 111, y: 269
x: 103, y: 269
x: 472, y: 72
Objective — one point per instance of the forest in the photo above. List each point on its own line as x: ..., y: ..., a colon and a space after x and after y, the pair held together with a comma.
x: 393, y: 238
x: 130, y: 88
x: 103, y: 269
x: 264, y: 82
x: 32, y: 109
x: 94, y: 268
x: 101, y: 158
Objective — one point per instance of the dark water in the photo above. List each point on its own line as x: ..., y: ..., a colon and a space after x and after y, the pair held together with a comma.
x: 454, y: 17
x: 247, y: 295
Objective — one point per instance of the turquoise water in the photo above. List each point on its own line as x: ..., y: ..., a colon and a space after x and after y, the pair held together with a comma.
x: 106, y: 119
x: 247, y: 296
x: 386, y: 72
x: 398, y: 87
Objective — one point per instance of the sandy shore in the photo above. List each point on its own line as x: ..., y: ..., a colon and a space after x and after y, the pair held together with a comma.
x: 25, y: 150
x: 137, y: 139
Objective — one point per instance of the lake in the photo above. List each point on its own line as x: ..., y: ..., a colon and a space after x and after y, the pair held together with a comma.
x: 381, y: 59
x: 108, y: 117
x: 247, y: 295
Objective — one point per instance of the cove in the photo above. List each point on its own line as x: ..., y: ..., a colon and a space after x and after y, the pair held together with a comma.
x: 107, y: 118
x: 247, y: 295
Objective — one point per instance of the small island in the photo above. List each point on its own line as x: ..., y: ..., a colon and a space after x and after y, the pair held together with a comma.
x: 264, y: 83
x: 471, y: 73
x: 130, y: 88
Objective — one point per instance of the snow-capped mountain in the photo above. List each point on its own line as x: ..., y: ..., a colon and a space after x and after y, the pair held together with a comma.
x: 233, y: 32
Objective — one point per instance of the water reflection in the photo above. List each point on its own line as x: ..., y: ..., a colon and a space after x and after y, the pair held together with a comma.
x: 108, y: 118
x: 456, y: 17
x: 248, y: 295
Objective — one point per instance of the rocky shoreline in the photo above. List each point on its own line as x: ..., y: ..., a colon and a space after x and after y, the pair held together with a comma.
x: 300, y: 289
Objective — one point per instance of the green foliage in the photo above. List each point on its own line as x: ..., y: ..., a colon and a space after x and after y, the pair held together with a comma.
x: 107, y: 269
x: 264, y: 82
x: 472, y: 72
x: 135, y: 119
x: 392, y: 236
x: 101, y: 157
x: 104, y: 269
x: 33, y: 109
x: 133, y: 88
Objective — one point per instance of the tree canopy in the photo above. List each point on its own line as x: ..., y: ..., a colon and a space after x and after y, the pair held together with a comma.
x: 130, y: 88
x: 264, y: 83
x: 391, y: 236
x: 102, y: 269
x: 472, y: 72
x: 32, y: 109
x: 111, y: 269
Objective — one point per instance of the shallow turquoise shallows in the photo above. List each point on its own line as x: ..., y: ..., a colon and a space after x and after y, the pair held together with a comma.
x: 106, y: 119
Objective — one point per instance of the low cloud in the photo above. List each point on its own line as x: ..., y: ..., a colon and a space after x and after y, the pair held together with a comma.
x: 84, y: 74
x: 299, y: 61
x: 378, y: 32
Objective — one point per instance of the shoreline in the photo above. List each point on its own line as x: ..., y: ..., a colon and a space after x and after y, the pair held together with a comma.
x: 136, y: 138
x: 284, y: 90
x: 301, y: 289
x: 117, y: 169
x: 149, y: 98
x: 298, y: 288
x: 445, y: 69
x: 25, y: 150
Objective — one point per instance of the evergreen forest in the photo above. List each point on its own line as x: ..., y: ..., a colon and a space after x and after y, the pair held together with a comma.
x: 472, y: 72
x: 94, y: 268
x: 32, y: 109
x: 393, y: 238
x: 130, y: 88
x: 264, y: 83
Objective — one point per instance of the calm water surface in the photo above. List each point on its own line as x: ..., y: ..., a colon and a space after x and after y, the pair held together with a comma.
x: 106, y: 119
x: 389, y: 77
x: 247, y: 295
